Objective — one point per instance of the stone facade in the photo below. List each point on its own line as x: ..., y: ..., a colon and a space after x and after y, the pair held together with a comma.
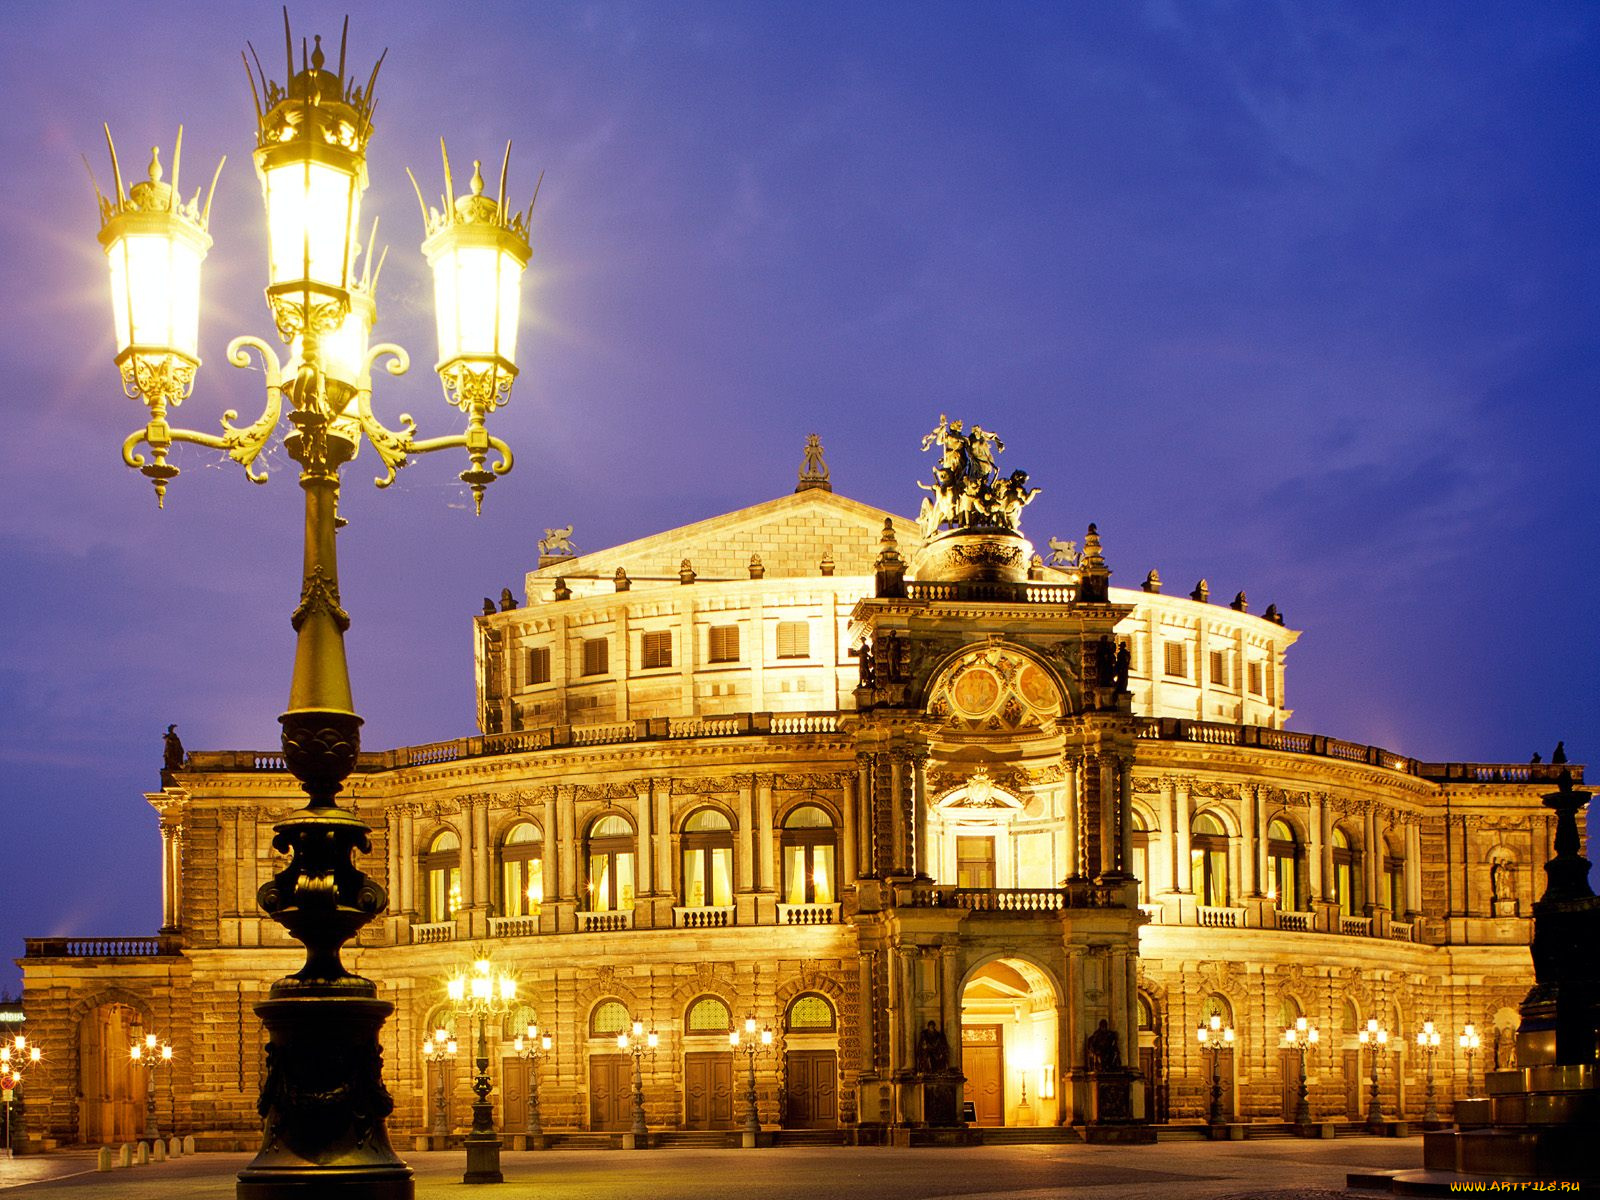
x: 920, y: 827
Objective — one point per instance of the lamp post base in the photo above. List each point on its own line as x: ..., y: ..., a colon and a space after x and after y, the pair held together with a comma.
x: 483, y: 1158
x: 324, y: 1101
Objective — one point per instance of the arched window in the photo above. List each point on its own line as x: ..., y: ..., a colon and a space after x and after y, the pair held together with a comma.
x: 1288, y: 1012
x: 521, y: 871
x: 708, y: 1015
x: 609, y: 1018
x: 611, y: 851
x: 809, y: 842
x: 1141, y: 854
x: 707, y: 860
x: 1283, y: 866
x: 1349, y: 1018
x: 441, y: 876
x: 1394, y: 876
x: 1147, y: 1012
x: 810, y: 1013
x: 1346, y: 873
x: 1208, y: 860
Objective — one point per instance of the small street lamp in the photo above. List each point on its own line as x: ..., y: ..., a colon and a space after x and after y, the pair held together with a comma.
x: 1214, y: 1037
x: 13, y: 1059
x: 483, y: 992
x: 438, y: 1050
x: 151, y: 1054
x: 1301, y: 1037
x: 1428, y: 1040
x: 639, y: 1043
x: 1469, y: 1042
x: 533, y: 1046
x: 750, y: 1043
x: 1377, y: 1038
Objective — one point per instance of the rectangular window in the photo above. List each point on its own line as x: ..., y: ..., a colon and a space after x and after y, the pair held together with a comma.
x: 1255, y: 679
x: 539, y: 665
x: 724, y: 643
x: 974, y: 862
x: 1177, y: 656
x: 596, y: 656
x: 1219, y: 668
x: 655, y: 649
x: 794, y: 639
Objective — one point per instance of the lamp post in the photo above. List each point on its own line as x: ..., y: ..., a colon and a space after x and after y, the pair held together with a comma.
x: 483, y: 992
x: 151, y: 1053
x: 14, y: 1058
x: 1375, y: 1036
x: 322, y: 1096
x: 749, y: 1042
x: 436, y: 1051
x: 533, y: 1046
x: 1469, y: 1042
x: 1214, y: 1037
x: 1428, y: 1040
x: 638, y: 1043
x: 1301, y: 1037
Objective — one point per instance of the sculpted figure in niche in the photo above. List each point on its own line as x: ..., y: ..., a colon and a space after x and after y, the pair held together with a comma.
x: 933, y: 1052
x: 1503, y: 885
x: 1103, y: 1052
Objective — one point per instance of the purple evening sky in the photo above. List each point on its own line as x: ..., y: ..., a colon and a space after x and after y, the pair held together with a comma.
x: 1298, y: 297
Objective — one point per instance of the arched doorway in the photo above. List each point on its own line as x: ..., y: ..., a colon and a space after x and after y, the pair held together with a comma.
x: 811, y: 1063
x: 110, y: 1089
x: 1010, y: 1030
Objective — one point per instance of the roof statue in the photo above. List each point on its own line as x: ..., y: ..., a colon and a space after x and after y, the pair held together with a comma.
x: 557, y: 543
x: 813, y: 471
x: 968, y: 491
x: 1063, y: 554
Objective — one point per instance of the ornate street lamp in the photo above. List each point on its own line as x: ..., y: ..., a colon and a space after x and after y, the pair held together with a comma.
x: 1469, y: 1043
x: 152, y: 1053
x: 749, y: 1042
x: 1376, y: 1037
x: 436, y: 1051
x: 322, y: 1098
x: 1301, y: 1037
x: 483, y: 992
x: 533, y: 1046
x: 1214, y: 1037
x: 1428, y: 1040
x: 14, y: 1058
x: 638, y: 1043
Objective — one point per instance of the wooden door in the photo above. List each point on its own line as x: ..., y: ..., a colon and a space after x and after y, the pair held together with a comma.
x: 610, y: 1093
x: 1353, y: 1110
x: 812, y: 1089
x: 708, y: 1090
x: 513, y: 1093
x: 983, y: 1063
x: 112, y: 1089
x: 1289, y: 1070
x: 1155, y: 1088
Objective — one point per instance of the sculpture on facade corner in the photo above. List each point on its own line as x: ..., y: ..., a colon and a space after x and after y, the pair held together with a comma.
x: 968, y: 491
x: 933, y: 1052
x: 557, y: 542
x: 1102, y: 1051
x: 171, y: 750
x: 813, y: 469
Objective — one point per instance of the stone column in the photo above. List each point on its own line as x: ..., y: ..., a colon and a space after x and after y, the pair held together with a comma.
x: 950, y: 1001
x: 1413, y: 867
x: 919, y: 814
x: 1072, y: 816
x: 483, y: 881
x: 663, y: 838
x: 866, y: 1010
x: 558, y: 883
x: 642, y: 832
x: 1318, y: 840
x: 866, y: 845
x: 764, y: 873
x: 1180, y: 825
x: 1372, y: 861
x: 393, y: 822
x: 1124, y: 815
x: 906, y: 1041
x: 747, y: 832
x: 1107, y: 839
x: 469, y: 862
x: 567, y: 816
x: 407, y: 879
x: 897, y: 780
x: 171, y: 874
x: 1250, y: 844
x: 847, y: 831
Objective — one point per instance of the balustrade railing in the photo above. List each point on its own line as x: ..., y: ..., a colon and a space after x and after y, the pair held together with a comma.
x: 433, y: 932
x: 1295, y: 922
x: 1355, y: 926
x: 161, y: 945
x: 513, y: 926
x: 808, y: 914
x: 1403, y: 931
x: 1220, y: 918
x: 703, y: 918
x: 605, y: 922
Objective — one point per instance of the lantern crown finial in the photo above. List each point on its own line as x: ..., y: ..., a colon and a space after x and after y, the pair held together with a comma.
x: 315, y: 104
x: 152, y: 195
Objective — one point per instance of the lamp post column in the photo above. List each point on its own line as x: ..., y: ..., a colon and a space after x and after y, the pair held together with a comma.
x: 1376, y: 1038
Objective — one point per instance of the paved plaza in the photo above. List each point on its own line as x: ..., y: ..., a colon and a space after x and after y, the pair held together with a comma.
x: 1279, y: 1169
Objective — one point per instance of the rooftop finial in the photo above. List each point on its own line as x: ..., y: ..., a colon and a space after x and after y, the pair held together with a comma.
x: 813, y: 471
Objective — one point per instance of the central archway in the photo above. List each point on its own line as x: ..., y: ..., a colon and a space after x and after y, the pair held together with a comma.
x: 1010, y: 1034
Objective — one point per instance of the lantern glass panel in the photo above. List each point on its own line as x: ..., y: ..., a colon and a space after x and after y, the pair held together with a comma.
x: 312, y: 213
x: 477, y: 294
x: 155, y: 290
